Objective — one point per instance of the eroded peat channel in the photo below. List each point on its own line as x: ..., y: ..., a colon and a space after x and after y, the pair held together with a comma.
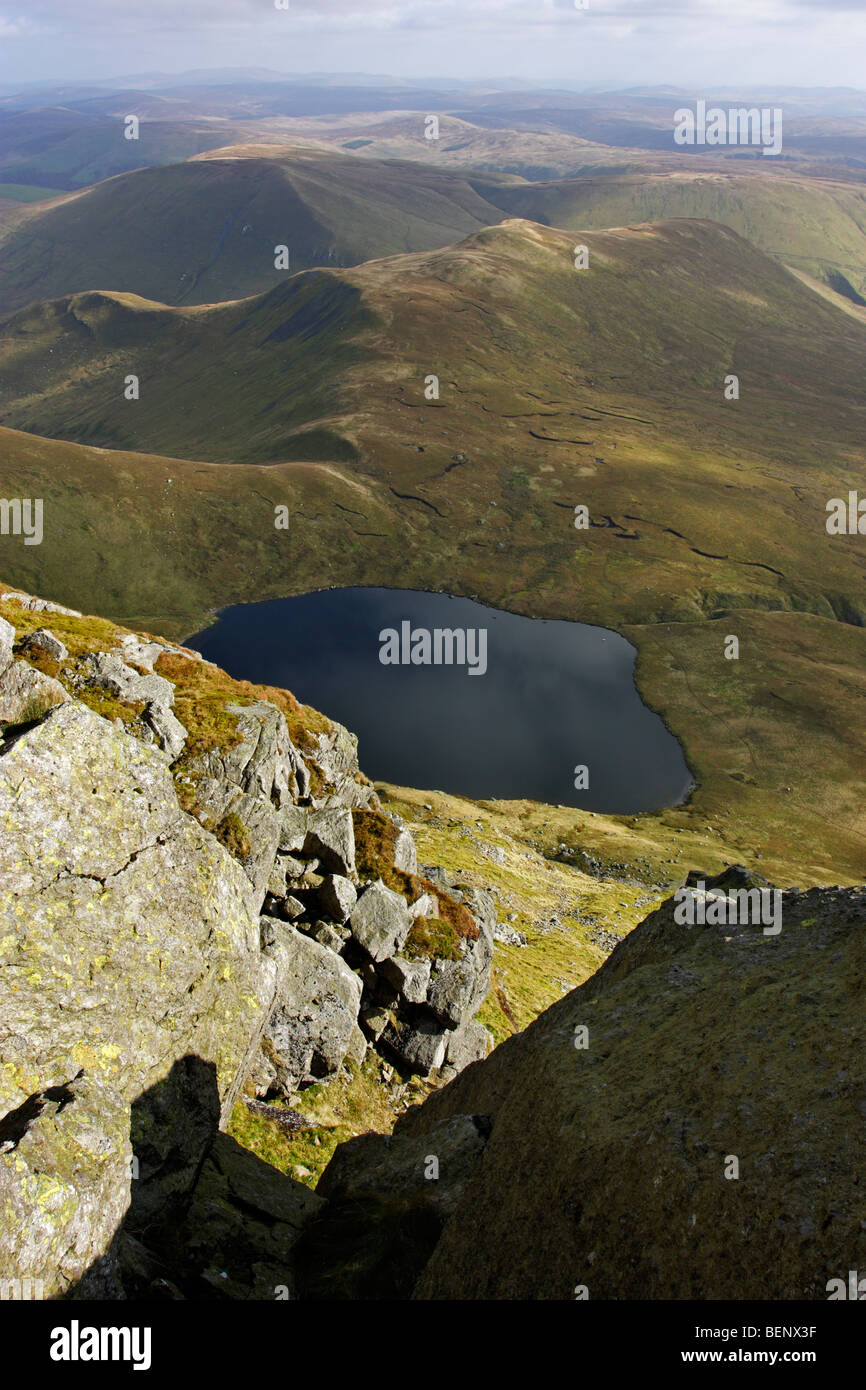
x: 449, y: 694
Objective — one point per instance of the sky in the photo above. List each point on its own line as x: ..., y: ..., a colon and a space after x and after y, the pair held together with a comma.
x: 690, y: 43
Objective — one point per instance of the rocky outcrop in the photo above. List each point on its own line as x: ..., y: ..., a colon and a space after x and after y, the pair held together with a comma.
x: 315, y: 1016
x: 128, y: 938
x: 387, y: 1200
x: 183, y: 917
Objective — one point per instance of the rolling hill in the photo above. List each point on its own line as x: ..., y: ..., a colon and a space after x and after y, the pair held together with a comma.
x: 815, y: 225
x: 206, y: 229
x: 68, y: 146
x: 558, y: 388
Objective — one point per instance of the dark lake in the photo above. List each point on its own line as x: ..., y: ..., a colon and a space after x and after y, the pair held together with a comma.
x: 545, y: 697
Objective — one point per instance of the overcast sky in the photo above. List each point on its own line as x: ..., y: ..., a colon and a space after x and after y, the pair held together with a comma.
x: 690, y: 43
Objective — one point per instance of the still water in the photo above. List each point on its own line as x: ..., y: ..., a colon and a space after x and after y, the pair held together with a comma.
x: 530, y: 702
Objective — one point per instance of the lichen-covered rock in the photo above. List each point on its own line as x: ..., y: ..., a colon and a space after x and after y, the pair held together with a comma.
x: 257, y: 824
x: 64, y: 1173
x: 109, y: 671
x: 263, y: 763
x: 419, y: 1042
x: 458, y: 988
x: 451, y: 991
x: 327, y: 935
x: 465, y: 1045
x: 410, y: 978
x: 293, y: 827
x: 374, y: 1020
x: 380, y: 921
x: 336, y: 757
x: 337, y: 897
x: 170, y: 733
x: 7, y: 641
x: 128, y: 939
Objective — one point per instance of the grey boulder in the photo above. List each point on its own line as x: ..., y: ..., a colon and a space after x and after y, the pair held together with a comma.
x: 330, y: 836
x: 7, y: 641
x: 405, y: 853
x: 380, y: 921
x: 410, y: 978
x: 470, y: 1043
x: 337, y: 897
x: 27, y: 694
x: 420, y: 1044
x: 312, y: 1027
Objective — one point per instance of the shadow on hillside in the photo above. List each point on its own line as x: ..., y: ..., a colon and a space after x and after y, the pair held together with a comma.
x: 207, y: 1218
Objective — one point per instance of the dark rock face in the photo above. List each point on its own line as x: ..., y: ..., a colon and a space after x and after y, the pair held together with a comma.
x: 387, y: 1200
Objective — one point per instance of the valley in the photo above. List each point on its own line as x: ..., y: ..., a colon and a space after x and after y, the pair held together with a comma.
x: 602, y: 387
x: 432, y: 554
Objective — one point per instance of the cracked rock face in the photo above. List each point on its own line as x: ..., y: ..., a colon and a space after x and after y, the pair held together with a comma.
x: 128, y: 939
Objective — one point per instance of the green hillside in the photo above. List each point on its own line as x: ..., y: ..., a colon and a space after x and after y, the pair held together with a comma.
x: 68, y: 148
x: 816, y: 225
x: 207, y: 229
x: 558, y: 387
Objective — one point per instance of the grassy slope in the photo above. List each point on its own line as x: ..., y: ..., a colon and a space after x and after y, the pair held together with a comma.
x: 558, y: 387
x: 206, y: 230
x: 815, y: 225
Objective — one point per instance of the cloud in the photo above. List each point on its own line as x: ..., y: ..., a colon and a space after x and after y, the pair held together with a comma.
x: 14, y: 28
x: 192, y: 15
x: 618, y: 41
